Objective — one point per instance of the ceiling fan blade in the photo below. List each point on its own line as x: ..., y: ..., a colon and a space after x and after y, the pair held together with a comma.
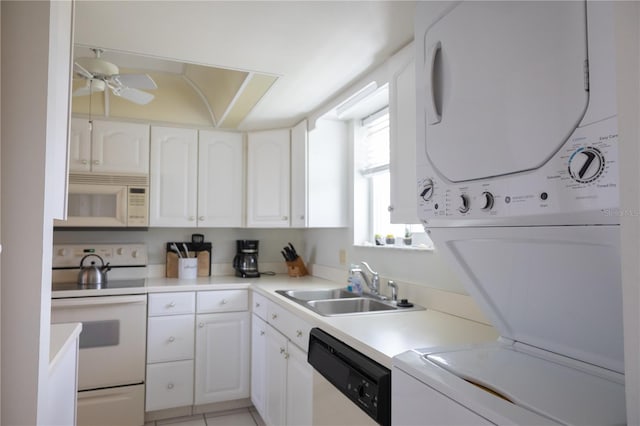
x: 136, y: 81
x: 79, y: 69
x: 133, y: 95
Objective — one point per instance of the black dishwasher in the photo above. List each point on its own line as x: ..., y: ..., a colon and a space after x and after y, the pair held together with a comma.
x: 361, y: 379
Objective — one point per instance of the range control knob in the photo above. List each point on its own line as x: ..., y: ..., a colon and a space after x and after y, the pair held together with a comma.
x: 427, y: 189
x: 586, y: 164
x: 487, y: 201
x: 464, y: 204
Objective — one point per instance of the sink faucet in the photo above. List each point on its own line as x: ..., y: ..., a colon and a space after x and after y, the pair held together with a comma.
x: 374, y: 282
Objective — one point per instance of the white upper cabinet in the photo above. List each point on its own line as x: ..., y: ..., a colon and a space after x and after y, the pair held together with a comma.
x: 196, y: 178
x: 402, y: 136
x: 268, y: 179
x: 319, y: 175
x: 299, y: 157
x: 112, y: 147
x: 220, y: 179
x: 173, y: 177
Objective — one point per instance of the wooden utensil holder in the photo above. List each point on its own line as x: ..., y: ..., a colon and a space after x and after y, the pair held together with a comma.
x: 296, y: 268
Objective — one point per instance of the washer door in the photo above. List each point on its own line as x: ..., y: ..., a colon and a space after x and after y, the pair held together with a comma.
x: 505, y: 85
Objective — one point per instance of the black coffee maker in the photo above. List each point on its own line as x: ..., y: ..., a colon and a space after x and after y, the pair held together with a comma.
x: 246, y: 260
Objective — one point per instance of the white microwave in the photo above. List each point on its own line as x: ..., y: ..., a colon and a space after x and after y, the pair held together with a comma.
x: 96, y: 200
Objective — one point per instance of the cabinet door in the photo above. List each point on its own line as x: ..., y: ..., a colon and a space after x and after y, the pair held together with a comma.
x: 120, y: 148
x: 173, y: 176
x: 299, y: 387
x: 327, y: 188
x: 222, y: 357
x: 268, y: 179
x: 402, y: 135
x: 299, y: 175
x: 220, y: 179
x: 258, y: 363
x: 80, y: 146
x: 276, y: 378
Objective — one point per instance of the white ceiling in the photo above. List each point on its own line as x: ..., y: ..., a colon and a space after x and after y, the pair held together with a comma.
x: 316, y: 48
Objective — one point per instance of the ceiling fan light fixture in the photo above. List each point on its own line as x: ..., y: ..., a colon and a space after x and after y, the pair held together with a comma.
x: 98, y: 67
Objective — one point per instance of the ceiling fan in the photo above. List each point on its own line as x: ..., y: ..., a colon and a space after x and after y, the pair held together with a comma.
x: 101, y: 74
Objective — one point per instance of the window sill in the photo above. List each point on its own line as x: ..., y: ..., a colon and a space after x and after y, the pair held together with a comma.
x: 417, y: 247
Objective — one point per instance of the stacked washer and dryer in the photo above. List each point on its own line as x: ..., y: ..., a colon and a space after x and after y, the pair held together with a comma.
x: 517, y: 168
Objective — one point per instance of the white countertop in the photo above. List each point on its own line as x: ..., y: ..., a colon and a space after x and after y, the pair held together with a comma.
x: 63, y: 336
x: 378, y: 335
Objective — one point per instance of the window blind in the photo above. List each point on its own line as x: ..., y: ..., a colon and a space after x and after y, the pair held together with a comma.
x: 376, y: 143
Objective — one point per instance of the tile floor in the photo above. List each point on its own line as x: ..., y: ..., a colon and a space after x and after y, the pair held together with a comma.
x: 240, y: 417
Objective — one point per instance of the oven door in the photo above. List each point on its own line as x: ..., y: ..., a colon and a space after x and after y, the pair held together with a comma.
x: 112, y: 341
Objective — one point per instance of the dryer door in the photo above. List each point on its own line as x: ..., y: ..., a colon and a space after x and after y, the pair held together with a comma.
x: 504, y: 85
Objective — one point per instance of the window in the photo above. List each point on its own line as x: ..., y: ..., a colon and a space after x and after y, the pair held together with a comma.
x: 372, y: 183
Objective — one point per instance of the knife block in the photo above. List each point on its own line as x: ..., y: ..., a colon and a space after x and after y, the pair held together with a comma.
x: 296, y: 267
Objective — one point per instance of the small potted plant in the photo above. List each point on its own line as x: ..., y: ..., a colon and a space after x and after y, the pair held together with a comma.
x: 378, y: 240
x: 391, y: 240
x: 407, y: 237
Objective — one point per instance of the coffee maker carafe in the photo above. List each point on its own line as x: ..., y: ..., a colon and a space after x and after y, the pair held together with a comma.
x: 246, y: 260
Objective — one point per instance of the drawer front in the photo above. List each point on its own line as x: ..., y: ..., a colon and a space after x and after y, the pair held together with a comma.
x: 170, y: 338
x: 169, y: 385
x: 171, y: 303
x: 294, y: 328
x: 259, y: 305
x: 222, y: 301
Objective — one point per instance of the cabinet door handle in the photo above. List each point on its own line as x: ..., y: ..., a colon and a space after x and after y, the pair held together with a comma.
x: 262, y: 332
x: 170, y: 386
x: 281, y: 350
x: 257, y: 305
x: 192, y: 218
x: 274, y: 316
x: 285, y: 217
x: 96, y: 162
x: 201, y: 325
x: 286, y: 355
x: 201, y: 218
x: 85, y: 161
x: 299, y: 333
x: 172, y: 339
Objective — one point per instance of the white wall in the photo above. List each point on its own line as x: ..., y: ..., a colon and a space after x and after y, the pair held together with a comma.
x: 26, y: 236
x: 628, y: 65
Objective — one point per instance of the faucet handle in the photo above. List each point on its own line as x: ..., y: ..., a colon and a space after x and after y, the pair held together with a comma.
x: 394, y: 290
x: 371, y: 271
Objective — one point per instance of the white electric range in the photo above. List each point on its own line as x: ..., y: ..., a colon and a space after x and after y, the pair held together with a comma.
x: 111, y: 366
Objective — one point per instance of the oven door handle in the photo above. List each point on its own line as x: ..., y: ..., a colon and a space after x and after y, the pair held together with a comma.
x: 98, y: 301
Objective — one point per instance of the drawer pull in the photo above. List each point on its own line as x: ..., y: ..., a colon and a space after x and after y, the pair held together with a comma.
x: 223, y: 302
x: 170, y: 386
x: 299, y: 333
x: 172, y: 339
x: 171, y: 305
x: 274, y: 316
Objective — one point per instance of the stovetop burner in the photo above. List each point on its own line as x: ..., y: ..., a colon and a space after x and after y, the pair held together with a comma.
x: 111, y: 284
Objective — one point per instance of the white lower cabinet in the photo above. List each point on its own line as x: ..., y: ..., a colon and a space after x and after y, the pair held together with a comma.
x: 222, y: 357
x: 197, y: 348
x: 281, y: 382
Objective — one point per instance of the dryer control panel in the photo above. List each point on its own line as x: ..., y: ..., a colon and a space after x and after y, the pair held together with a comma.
x: 582, y: 177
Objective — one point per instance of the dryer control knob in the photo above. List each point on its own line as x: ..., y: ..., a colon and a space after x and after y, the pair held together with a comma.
x: 464, y: 204
x: 487, y: 199
x: 586, y: 164
x: 427, y: 189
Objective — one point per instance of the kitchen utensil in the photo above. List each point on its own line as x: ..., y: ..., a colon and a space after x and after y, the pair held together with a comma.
x: 175, y: 248
x: 93, y: 275
x: 186, y: 250
x: 293, y: 250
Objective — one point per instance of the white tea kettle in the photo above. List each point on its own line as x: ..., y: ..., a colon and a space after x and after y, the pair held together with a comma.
x: 93, y: 275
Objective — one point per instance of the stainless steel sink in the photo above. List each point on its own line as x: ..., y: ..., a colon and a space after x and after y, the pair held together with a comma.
x: 349, y: 306
x: 332, y: 302
x: 306, y: 295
